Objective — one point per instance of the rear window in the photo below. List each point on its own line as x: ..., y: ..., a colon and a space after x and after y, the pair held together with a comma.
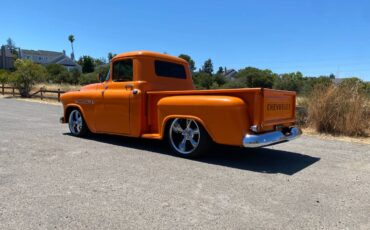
x: 169, y: 69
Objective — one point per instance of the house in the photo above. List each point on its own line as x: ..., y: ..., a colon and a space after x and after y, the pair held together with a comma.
x: 49, y: 57
x: 230, y: 73
x: 6, y: 58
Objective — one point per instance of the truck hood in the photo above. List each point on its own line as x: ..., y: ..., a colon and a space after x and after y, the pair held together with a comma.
x: 90, y: 87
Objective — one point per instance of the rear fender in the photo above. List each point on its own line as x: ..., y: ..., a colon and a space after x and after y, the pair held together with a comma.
x: 224, y: 117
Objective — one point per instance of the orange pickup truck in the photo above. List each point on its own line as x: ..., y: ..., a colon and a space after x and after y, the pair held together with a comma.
x: 151, y: 95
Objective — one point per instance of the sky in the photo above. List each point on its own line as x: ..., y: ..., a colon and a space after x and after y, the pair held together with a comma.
x: 312, y: 36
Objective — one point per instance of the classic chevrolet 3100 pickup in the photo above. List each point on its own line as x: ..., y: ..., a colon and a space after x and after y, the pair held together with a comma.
x: 151, y: 95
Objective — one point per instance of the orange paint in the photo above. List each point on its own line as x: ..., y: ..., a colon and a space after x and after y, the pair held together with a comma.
x: 143, y: 106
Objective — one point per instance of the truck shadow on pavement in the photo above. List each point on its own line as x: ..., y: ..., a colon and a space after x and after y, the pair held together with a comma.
x: 262, y: 160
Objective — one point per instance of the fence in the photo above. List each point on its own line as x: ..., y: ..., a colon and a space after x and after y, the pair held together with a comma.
x: 42, y: 93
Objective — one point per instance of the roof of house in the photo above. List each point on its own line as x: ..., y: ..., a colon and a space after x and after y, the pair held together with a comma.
x: 53, y: 57
x: 41, y: 52
x: 230, y: 73
x: 64, y: 60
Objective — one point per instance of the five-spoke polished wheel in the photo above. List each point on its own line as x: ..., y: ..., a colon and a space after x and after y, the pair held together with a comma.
x: 77, y: 125
x: 187, y: 138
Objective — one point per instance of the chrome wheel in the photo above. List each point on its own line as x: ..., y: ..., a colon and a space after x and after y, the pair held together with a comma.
x: 184, y: 135
x: 75, y: 122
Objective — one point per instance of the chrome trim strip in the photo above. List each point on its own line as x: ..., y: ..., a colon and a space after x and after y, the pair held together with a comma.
x: 254, y: 140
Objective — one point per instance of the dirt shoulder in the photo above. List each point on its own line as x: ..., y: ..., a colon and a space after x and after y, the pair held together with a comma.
x: 312, y: 132
x: 35, y: 100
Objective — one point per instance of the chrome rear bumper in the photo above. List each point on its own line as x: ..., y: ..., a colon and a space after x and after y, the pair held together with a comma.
x: 258, y: 140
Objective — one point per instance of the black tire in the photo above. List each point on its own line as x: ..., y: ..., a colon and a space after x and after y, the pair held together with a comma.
x: 187, y: 138
x: 76, y: 123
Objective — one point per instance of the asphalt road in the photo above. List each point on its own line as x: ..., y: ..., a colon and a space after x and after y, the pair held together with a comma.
x: 51, y: 180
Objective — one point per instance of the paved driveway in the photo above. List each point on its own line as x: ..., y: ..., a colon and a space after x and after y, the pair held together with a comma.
x: 49, y: 179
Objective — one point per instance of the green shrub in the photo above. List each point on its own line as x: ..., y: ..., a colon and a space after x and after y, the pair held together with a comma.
x: 4, y: 76
x: 26, y: 75
x: 88, y: 78
x: 310, y: 83
x: 60, y: 75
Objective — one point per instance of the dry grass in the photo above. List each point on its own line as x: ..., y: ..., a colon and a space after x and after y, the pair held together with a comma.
x: 50, y: 96
x: 62, y: 87
x: 339, y: 110
x: 53, y: 96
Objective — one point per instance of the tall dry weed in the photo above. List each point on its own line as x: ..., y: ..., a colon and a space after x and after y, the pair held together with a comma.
x: 339, y: 110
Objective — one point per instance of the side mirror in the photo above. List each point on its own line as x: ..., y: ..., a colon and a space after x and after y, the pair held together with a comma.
x: 101, y: 77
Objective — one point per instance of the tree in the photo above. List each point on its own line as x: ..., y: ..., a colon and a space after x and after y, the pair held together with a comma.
x: 26, y: 75
x: 110, y: 56
x: 99, y: 61
x: 253, y: 77
x: 220, y: 79
x: 75, y: 75
x: 189, y: 60
x: 87, y: 64
x: 11, y: 46
x: 71, y: 39
x: 203, y: 80
x: 289, y: 81
x: 220, y: 70
x: 208, y: 67
x: 10, y: 43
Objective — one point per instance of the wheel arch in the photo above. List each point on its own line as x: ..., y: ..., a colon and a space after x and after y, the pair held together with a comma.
x: 69, y: 108
x: 167, y: 122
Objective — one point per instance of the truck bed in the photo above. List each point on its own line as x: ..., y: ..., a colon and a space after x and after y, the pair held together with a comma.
x: 266, y: 107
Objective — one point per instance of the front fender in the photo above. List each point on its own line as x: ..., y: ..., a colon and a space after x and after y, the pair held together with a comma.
x: 85, y: 102
x: 224, y: 117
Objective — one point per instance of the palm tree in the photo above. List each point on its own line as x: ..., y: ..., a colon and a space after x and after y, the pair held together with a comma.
x: 71, y: 38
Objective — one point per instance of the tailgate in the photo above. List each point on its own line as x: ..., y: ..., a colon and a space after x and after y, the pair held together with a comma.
x: 278, y: 107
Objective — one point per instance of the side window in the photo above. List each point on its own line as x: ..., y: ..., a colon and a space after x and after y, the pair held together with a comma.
x: 123, y: 71
x: 169, y: 69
